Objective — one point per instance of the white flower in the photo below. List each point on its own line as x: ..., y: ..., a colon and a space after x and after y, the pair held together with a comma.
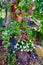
x: 13, y: 51
x: 20, y: 46
x: 32, y: 44
x: 15, y: 46
x: 22, y: 42
x: 18, y: 63
x: 24, y: 47
x: 30, y: 41
x: 38, y: 30
x: 27, y: 45
x: 33, y: 0
x: 21, y: 49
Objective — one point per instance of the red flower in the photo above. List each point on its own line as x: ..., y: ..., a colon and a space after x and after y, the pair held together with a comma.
x: 15, y: 9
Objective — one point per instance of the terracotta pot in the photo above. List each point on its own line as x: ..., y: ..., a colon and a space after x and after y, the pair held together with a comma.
x: 19, y: 18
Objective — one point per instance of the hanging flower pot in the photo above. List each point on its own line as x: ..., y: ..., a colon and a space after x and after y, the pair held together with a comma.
x: 13, y: 9
x: 19, y: 18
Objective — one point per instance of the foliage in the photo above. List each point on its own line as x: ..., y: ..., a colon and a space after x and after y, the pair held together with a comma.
x: 30, y: 26
x: 20, y: 34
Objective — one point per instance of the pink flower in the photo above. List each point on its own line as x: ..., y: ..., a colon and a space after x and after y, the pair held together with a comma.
x: 24, y: 26
x: 3, y: 42
x: 22, y: 12
x: 4, y: 49
x: 30, y: 19
x: 8, y: 19
x: 31, y: 11
x: 12, y: 0
x: 8, y: 34
x: 26, y: 37
x: 37, y: 23
x: 25, y: 19
x: 22, y: 31
x: 19, y: 37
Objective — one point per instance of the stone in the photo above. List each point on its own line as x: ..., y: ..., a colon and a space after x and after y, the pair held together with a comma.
x: 39, y: 50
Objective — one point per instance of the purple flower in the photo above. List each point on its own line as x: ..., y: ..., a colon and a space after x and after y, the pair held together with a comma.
x: 12, y: 0
x: 31, y: 11
x: 25, y: 19
x: 3, y: 42
x: 34, y: 57
x: 29, y: 24
x: 22, y: 12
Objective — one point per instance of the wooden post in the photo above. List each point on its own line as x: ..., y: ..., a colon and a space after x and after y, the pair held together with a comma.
x: 8, y: 18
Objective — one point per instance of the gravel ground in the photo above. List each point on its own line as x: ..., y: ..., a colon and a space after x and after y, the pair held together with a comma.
x: 23, y: 58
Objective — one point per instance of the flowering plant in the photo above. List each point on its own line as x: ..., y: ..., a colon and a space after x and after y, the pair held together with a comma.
x: 24, y: 25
